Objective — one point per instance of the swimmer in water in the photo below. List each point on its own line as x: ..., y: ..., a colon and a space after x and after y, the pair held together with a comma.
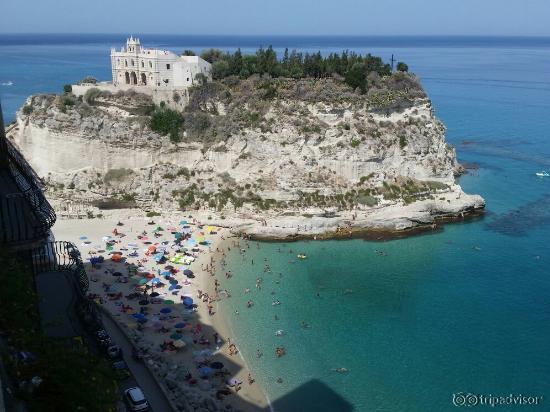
x: 340, y: 370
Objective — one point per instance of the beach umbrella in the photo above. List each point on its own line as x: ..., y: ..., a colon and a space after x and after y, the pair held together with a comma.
x: 166, y: 273
x: 142, y: 320
x: 183, y: 222
x: 176, y: 336
x: 173, y: 281
x: 155, y: 281
x: 216, y: 365
x: 233, y: 382
x: 187, y: 301
x: 149, y: 276
x: 168, y: 302
x: 180, y: 325
x: 143, y: 282
x: 165, y: 310
x: 205, y: 371
x: 138, y: 315
x: 187, y: 272
x: 169, y: 267
x: 172, y: 287
x: 179, y: 344
x: 133, y: 245
x: 83, y: 237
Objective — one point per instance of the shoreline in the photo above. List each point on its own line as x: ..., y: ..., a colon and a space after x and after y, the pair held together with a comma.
x: 249, y: 397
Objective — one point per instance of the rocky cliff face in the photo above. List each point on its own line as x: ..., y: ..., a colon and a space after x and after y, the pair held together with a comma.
x: 307, y: 147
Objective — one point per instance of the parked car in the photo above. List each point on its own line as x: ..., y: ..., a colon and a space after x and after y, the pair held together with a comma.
x: 135, y: 400
x: 121, y: 370
x: 114, y: 352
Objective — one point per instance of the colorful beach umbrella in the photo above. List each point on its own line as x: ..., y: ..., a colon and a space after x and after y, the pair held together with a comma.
x: 165, y: 310
x: 187, y: 301
x: 180, y: 325
x: 143, y: 281
x: 205, y: 371
x: 168, y: 302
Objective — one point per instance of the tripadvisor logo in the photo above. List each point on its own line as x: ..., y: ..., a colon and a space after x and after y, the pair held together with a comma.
x: 468, y: 399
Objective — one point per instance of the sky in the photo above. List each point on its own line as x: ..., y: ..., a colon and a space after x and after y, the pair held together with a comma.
x: 279, y: 17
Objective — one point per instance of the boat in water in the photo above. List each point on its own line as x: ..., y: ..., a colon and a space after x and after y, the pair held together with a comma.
x: 543, y: 173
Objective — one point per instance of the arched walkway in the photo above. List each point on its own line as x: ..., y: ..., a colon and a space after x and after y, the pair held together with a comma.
x: 143, y: 79
x: 127, y: 78
x: 133, y: 78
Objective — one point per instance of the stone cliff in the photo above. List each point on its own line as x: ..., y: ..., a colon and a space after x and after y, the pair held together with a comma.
x: 296, y: 152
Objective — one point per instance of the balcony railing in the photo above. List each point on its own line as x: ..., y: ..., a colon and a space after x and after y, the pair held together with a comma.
x: 65, y: 257
x: 25, y: 215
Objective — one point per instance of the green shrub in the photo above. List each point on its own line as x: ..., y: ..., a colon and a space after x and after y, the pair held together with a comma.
x: 89, y: 79
x: 355, y: 143
x: 91, y: 95
x: 167, y: 122
x: 402, y: 141
x: 152, y: 214
x: 67, y: 88
x: 27, y: 109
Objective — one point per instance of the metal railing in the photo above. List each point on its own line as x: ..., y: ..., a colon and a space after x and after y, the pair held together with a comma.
x: 63, y: 256
x: 26, y: 215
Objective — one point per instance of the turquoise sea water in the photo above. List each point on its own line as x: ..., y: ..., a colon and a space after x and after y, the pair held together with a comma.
x: 466, y: 309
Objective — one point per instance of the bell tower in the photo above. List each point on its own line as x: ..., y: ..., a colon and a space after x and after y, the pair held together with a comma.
x: 133, y: 45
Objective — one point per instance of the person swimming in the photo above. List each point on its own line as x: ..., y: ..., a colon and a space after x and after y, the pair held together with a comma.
x: 340, y: 370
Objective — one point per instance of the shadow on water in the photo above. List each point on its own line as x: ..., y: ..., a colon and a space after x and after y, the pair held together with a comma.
x: 313, y: 395
x: 519, y: 222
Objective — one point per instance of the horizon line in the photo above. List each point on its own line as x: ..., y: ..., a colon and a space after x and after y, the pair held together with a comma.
x: 282, y: 35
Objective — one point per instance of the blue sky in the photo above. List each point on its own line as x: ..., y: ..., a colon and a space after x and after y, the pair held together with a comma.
x: 347, y: 17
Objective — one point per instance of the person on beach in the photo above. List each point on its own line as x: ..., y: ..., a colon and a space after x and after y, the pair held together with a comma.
x: 250, y: 379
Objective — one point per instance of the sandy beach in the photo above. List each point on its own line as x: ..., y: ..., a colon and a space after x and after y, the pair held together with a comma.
x: 182, y: 368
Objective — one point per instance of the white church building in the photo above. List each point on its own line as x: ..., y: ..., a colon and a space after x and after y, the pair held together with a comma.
x: 134, y: 65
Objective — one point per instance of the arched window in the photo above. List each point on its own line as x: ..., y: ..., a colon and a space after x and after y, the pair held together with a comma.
x: 142, y: 64
x: 126, y: 63
x: 143, y: 79
x: 127, y: 75
x: 132, y: 62
x: 151, y: 64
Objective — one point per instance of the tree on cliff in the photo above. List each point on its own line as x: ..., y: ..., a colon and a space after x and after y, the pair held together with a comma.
x: 402, y: 67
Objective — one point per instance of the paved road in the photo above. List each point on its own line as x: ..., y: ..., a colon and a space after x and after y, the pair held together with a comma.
x: 142, y: 376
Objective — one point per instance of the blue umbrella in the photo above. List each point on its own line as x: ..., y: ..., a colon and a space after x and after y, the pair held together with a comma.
x: 187, y: 272
x: 83, y: 237
x: 172, y: 287
x: 183, y: 222
x: 174, y: 281
x: 205, y: 371
x: 180, y: 325
x: 143, y: 320
x: 165, y: 310
x: 165, y: 273
x: 154, y: 281
x: 139, y: 315
x: 187, y: 301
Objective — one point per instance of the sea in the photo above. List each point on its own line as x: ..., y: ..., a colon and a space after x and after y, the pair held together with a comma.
x: 454, y: 319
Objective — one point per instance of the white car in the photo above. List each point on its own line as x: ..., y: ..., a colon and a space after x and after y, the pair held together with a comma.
x: 135, y: 400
